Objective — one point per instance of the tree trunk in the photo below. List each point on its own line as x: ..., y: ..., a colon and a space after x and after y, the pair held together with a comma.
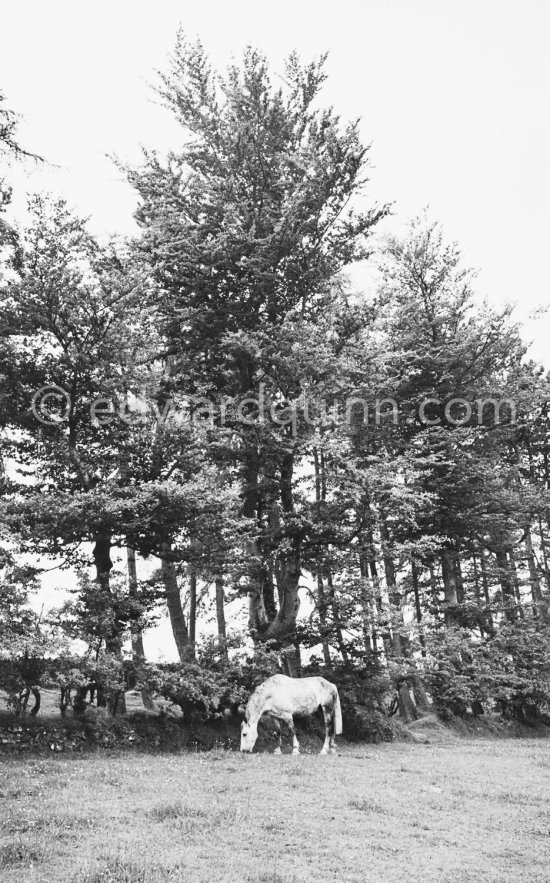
x: 400, y: 643
x: 291, y: 659
x: 192, y: 608
x: 322, y: 611
x: 138, y: 653
x: 173, y: 603
x: 477, y: 591
x: 540, y: 607
x: 485, y: 578
x: 102, y: 560
x: 380, y: 612
x: 104, y: 565
x: 476, y: 581
x: 508, y: 599
x: 282, y: 627
x: 258, y: 572
x: 369, y: 631
x: 321, y: 600
x: 113, y: 643
x: 417, y: 606
x: 420, y: 695
x: 336, y: 618
x: 220, y: 618
x: 448, y: 574
x: 258, y: 576
x: 407, y: 708
x: 419, y: 691
x: 459, y: 580
x: 486, y: 593
x: 544, y: 553
x: 399, y: 640
x: 36, y: 707
x: 435, y: 591
x: 64, y: 700
x: 273, y: 581
x: 79, y: 701
x: 515, y: 583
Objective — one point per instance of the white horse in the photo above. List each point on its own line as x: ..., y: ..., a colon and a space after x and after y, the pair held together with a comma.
x: 281, y: 697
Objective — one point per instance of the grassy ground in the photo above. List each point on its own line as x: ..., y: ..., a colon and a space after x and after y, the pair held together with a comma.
x: 463, y: 811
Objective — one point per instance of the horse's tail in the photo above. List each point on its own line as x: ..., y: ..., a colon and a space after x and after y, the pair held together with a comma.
x: 337, y: 714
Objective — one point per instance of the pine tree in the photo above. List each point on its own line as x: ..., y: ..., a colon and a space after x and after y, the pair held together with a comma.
x: 246, y: 225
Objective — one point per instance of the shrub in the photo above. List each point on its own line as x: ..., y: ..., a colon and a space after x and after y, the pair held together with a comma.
x: 19, y: 677
x: 191, y: 687
x: 363, y: 695
x: 211, y: 685
x: 78, y: 677
x: 509, y: 671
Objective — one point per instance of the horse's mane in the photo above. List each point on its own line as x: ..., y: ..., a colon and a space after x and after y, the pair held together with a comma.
x: 255, y: 700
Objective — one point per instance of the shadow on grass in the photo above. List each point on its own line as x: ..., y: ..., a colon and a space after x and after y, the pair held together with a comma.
x: 272, y: 877
x: 55, y: 825
x: 18, y: 855
x: 368, y: 806
x: 172, y: 811
x: 120, y: 871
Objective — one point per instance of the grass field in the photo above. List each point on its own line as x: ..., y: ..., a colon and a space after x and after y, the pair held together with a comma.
x: 465, y: 811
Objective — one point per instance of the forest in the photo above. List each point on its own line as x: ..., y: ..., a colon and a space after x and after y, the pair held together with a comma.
x: 210, y: 412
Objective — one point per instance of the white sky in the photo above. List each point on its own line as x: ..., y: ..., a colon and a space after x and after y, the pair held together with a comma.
x: 453, y: 95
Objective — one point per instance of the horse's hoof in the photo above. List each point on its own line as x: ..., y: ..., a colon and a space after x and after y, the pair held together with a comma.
x: 323, y: 751
x: 277, y: 751
x: 295, y: 750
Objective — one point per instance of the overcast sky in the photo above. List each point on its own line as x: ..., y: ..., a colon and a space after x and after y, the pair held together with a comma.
x: 453, y: 95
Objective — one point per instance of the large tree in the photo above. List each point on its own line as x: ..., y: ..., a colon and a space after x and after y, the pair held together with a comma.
x: 247, y: 224
x: 105, y: 472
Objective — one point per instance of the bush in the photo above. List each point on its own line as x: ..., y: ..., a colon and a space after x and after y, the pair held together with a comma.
x: 191, y: 687
x: 211, y: 686
x: 521, y: 655
x: 363, y: 694
x: 19, y: 677
x: 78, y: 677
x: 509, y: 671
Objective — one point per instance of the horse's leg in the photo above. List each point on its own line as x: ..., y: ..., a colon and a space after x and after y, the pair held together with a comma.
x: 290, y: 724
x: 278, y: 749
x: 329, y: 718
x: 333, y: 746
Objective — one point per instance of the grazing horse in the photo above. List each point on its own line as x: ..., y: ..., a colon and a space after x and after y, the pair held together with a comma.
x: 281, y: 697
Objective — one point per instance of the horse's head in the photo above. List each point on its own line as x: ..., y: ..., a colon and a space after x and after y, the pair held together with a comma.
x: 249, y: 734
